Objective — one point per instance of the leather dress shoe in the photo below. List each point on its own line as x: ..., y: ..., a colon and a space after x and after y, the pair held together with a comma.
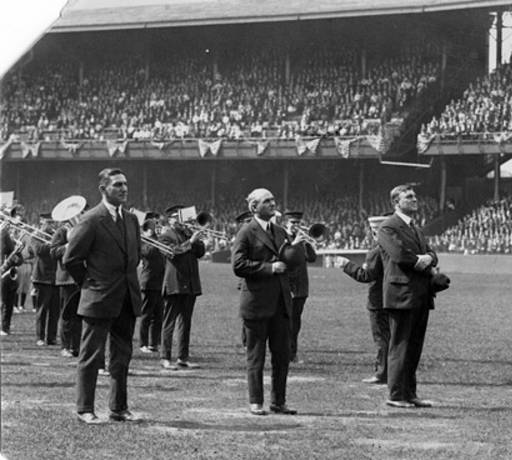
x: 123, y: 416
x: 420, y: 402
x: 282, y: 409
x: 257, y: 409
x: 400, y: 404
x: 89, y: 418
x: 374, y: 380
x: 166, y: 364
x: 103, y: 372
x: 186, y: 364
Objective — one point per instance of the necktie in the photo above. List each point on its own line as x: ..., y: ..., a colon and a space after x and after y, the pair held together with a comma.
x: 119, y: 221
x: 414, y: 230
x: 269, y: 231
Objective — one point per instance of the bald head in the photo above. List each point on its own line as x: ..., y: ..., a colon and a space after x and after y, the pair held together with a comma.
x: 261, y: 202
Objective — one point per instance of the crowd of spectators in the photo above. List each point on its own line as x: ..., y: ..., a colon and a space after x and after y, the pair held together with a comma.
x: 323, y: 93
x: 487, y: 230
x: 485, y: 107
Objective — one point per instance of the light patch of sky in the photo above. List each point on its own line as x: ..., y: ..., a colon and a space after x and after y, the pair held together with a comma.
x: 506, y: 47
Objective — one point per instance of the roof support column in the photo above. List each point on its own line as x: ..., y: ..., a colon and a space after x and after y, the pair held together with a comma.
x: 361, y: 186
x: 213, y: 184
x: 499, y: 37
x: 497, y: 177
x: 145, y: 185
x: 287, y: 67
x: 286, y: 178
x: 442, y: 187
x: 363, y: 62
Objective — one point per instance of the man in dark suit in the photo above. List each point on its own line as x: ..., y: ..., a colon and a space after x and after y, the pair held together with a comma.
x: 9, y: 257
x: 102, y: 257
x: 151, y: 277
x: 299, y: 281
x: 265, y: 301
x: 372, y: 272
x: 407, y: 260
x: 181, y: 286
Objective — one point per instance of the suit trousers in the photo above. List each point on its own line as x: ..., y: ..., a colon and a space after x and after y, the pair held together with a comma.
x: 92, y: 356
x: 407, y: 328
x: 151, y: 318
x: 177, y: 307
x: 9, y: 288
x: 297, y: 309
x: 277, y: 330
x: 379, y: 325
x: 70, y: 322
x: 47, y: 312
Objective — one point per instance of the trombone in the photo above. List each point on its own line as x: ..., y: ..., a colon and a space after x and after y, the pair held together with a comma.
x: 203, y: 219
x: 163, y: 248
x: 28, y: 229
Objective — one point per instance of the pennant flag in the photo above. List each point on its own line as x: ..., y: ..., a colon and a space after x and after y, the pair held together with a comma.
x: 343, y: 145
x: 303, y: 146
x: 377, y: 142
x: 113, y: 147
x: 30, y: 149
x: 261, y: 147
x: 71, y: 147
x: 5, y: 147
x: 205, y: 147
x: 423, y: 142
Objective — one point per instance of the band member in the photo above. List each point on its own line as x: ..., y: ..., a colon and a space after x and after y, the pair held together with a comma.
x: 151, y: 277
x: 299, y: 281
x: 70, y: 322
x: 46, y: 291
x: 407, y: 260
x: 265, y: 301
x: 102, y: 257
x: 181, y: 286
x: 372, y: 272
x: 10, y: 258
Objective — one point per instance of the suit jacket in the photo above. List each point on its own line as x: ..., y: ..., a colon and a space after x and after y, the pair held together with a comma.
x: 181, y: 271
x: 404, y: 287
x: 151, y: 274
x: 57, y: 250
x: 104, y: 264
x: 371, y: 272
x: 299, y: 281
x: 252, y: 255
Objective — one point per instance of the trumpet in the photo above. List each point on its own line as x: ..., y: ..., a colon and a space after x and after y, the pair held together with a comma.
x: 27, y: 229
x: 203, y: 219
x: 314, y: 234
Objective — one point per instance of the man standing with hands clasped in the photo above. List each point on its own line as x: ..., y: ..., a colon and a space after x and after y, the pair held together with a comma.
x: 102, y: 257
x: 408, y: 262
x: 265, y: 300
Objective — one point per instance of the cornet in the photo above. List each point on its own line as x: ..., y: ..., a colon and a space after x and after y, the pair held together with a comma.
x: 203, y: 219
x: 316, y: 233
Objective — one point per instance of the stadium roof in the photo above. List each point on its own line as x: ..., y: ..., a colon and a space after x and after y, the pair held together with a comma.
x: 86, y: 15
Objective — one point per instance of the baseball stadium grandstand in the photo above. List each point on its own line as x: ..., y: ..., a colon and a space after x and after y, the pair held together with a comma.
x: 327, y: 103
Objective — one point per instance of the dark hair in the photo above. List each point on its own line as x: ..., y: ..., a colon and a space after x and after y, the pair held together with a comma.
x: 105, y: 175
x: 395, y: 193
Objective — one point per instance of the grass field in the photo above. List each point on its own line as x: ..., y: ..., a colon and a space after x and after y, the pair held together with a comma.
x: 466, y: 370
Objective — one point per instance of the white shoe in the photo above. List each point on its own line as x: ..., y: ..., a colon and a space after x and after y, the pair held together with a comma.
x: 166, y: 364
x: 2, y: 333
x: 40, y: 343
x: 145, y: 349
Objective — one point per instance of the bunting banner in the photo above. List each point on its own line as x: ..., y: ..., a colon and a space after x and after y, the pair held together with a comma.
x: 30, y: 149
x: 377, y: 142
x: 305, y: 146
x: 343, y: 145
x: 261, y: 147
x: 423, y: 142
x: 71, y: 147
x: 5, y: 147
x: 114, y: 147
x: 212, y: 147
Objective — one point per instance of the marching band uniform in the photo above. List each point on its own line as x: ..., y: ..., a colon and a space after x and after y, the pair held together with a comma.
x: 9, y: 285
x: 47, y: 293
x: 181, y: 286
x: 70, y: 322
x: 151, y: 277
x: 299, y: 284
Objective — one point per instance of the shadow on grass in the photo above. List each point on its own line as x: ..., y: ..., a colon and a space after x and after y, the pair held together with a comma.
x: 469, y: 384
x: 242, y: 426
x: 39, y: 384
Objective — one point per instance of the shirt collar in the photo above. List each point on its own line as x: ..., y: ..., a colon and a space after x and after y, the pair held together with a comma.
x: 263, y: 223
x: 111, y: 209
x: 405, y: 218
